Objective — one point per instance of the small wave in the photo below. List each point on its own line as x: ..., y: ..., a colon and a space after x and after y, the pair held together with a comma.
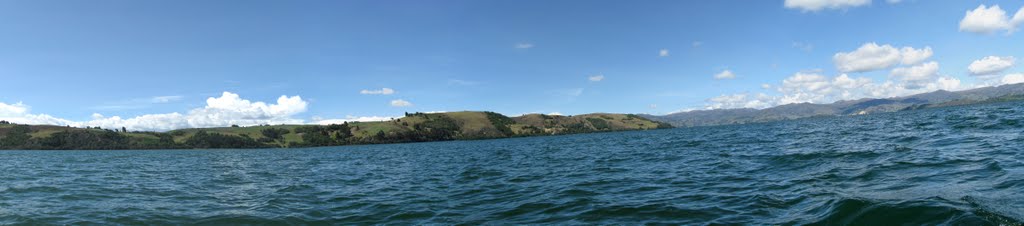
x: 652, y: 213
x: 934, y: 211
x: 32, y: 189
x: 1002, y: 124
x: 296, y: 188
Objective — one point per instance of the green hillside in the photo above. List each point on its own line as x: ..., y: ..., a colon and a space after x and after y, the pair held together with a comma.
x: 414, y: 127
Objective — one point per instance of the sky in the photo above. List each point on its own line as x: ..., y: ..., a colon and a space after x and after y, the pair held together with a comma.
x: 161, y: 65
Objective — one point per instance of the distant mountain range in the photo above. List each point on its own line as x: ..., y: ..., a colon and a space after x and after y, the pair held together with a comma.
x: 939, y: 98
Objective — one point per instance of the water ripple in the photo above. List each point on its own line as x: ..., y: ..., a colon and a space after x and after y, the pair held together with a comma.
x: 959, y: 165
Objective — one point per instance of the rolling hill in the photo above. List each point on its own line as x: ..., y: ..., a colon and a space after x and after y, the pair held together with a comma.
x: 414, y: 127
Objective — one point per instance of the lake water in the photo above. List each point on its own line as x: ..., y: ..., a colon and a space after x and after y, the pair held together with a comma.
x: 961, y: 165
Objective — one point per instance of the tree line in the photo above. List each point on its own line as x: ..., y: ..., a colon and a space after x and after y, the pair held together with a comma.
x: 426, y: 127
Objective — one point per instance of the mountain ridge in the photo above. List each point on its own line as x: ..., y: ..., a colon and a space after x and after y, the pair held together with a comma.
x: 939, y: 98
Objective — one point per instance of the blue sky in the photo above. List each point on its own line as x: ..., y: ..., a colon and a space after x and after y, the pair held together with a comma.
x: 84, y: 62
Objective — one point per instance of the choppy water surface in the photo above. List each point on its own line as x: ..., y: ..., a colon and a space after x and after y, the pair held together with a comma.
x: 941, y: 166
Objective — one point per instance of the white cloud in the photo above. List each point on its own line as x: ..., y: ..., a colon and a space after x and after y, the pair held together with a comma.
x: 555, y: 113
x: 913, y: 56
x: 817, y: 5
x: 844, y: 81
x: 991, y: 65
x: 726, y: 74
x: 766, y: 86
x: 382, y: 91
x: 524, y: 45
x: 228, y: 109
x: 949, y: 84
x: 803, y: 81
x: 653, y: 106
x: 1013, y: 78
x: 915, y: 74
x: 868, y: 57
x: 871, y: 57
x: 987, y: 20
x: 400, y: 103
x: 10, y: 110
x: 1018, y: 19
x: 696, y: 44
x: 596, y: 78
x: 663, y: 52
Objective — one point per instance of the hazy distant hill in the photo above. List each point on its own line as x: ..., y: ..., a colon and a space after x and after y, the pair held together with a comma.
x: 414, y: 127
x: 850, y: 107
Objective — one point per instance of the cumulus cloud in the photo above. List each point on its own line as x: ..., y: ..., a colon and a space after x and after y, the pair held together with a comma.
x: 871, y: 57
x: 10, y: 110
x: 400, y: 103
x: 991, y: 65
x: 524, y: 45
x: 1013, y: 78
x: 596, y: 78
x: 913, y: 56
x: 663, y: 52
x: 804, y: 82
x: 988, y: 20
x: 228, y: 109
x: 817, y: 5
x: 726, y: 74
x: 916, y: 74
x: 868, y: 57
x: 382, y: 91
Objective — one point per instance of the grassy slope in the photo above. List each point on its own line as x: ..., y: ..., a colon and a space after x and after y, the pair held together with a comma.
x: 472, y: 125
x: 39, y: 131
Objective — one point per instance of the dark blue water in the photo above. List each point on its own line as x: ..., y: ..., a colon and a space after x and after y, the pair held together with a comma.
x: 941, y: 166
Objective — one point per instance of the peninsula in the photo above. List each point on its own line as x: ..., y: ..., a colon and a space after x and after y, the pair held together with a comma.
x: 414, y: 127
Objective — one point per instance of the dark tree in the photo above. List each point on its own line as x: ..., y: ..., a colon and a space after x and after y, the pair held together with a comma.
x: 17, y: 137
x: 275, y: 133
x: 202, y: 139
x: 501, y: 123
